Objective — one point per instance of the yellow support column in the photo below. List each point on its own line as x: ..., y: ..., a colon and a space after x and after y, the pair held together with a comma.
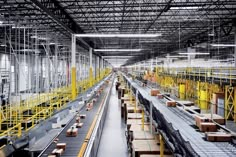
x: 203, y: 100
x: 91, y: 67
x: 73, y: 68
x: 19, y: 130
x: 162, y: 147
x: 182, y: 91
x: 90, y: 76
x: 229, y: 103
x: 73, y: 82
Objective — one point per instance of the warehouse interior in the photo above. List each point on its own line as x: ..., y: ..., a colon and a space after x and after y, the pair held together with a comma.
x: 122, y: 78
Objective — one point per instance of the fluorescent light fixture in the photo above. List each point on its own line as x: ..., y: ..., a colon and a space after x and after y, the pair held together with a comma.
x: 29, y: 50
x: 117, y: 56
x: 223, y: 45
x: 184, y: 8
x: 176, y: 56
x: 117, y: 50
x: 3, y: 45
x: 118, y: 35
x: 43, y: 38
x: 40, y: 38
x: 193, y: 53
x: 34, y: 37
x: 19, y: 27
x: 1, y: 22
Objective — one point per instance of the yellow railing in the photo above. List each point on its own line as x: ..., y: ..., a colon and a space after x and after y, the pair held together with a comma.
x: 22, y: 116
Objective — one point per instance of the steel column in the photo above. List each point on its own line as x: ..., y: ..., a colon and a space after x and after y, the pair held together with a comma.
x: 73, y: 68
x: 56, y: 65
x: 90, y: 67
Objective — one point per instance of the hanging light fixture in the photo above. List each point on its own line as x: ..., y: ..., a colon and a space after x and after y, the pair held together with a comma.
x: 118, y: 35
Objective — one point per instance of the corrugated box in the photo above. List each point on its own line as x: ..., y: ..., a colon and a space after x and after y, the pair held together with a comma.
x: 61, y: 146
x: 218, y: 137
x: 154, y: 92
x: 159, y: 96
x: 199, y: 119
x: 217, y: 118
x: 72, y: 132
x: 208, y: 127
x: 57, y: 152
x: 170, y: 103
x: 83, y: 116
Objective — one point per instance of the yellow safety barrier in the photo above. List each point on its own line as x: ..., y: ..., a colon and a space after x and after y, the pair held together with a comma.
x: 39, y: 107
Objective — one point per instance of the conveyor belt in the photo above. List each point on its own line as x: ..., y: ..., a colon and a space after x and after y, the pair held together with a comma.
x: 182, y: 122
x: 74, y: 143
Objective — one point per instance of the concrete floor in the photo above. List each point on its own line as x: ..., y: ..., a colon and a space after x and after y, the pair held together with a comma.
x: 113, y: 140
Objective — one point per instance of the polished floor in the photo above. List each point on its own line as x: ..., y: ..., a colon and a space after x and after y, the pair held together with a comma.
x: 113, y: 141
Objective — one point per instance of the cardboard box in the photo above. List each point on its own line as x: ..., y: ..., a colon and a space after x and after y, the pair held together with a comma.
x: 77, y: 119
x: 83, y: 116
x: 72, y: 132
x: 145, y: 147
x: 199, y: 119
x: 217, y: 118
x: 159, y: 96
x: 170, y: 103
x: 57, y: 152
x: 61, y: 146
x: 218, y: 137
x: 80, y: 125
x: 208, y: 127
x: 154, y: 92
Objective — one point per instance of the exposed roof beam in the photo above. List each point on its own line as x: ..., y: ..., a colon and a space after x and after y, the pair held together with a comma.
x: 58, y: 14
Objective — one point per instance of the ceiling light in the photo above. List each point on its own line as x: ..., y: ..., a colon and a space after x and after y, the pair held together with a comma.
x: 211, y: 34
x: 184, y: 8
x: 43, y: 38
x: 3, y: 45
x: 176, y: 56
x: 117, y: 56
x: 118, y: 35
x: 20, y: 27
x: 193, y: 53
x: 34, y: 37
x: 29, y: 50
x: 117, y: 50
x: 1, y: 22
x: 223, y: 45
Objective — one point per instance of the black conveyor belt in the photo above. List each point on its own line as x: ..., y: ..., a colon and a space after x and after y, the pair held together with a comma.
x: 183, y: 123
x: 73, y: 144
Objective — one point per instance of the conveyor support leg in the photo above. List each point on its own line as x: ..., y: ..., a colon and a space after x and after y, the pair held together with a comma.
x: 161, y: 146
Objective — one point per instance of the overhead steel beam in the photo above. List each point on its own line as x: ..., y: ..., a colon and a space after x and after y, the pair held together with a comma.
x: 166, y: 8
x: 58, y: 14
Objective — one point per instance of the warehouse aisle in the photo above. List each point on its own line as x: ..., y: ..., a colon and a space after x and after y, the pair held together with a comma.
x: 113, y: 140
